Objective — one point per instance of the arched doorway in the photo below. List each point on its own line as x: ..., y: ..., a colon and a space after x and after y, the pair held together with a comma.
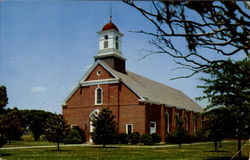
x: 92, y: 115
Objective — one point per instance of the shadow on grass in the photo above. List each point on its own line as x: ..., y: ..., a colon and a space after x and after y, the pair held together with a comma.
x: 227, y: 158
x: 4, y: 154
x: 106, y: 147
x: 61, y: 150
x: 218, y: 151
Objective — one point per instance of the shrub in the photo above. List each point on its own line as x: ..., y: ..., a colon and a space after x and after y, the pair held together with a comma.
x: 74, y: 136
x: 122, y: 138
x: 201, y: 135
x: 146, y: 139
x: 134, y: 138
x: 156, y: 138
x: 169, y: 138
x: 81, y: 132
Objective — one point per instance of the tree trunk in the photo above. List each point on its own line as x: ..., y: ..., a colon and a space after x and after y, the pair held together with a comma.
x: 215, y: 146
x: 104, y: 145
x: 179, y: 146
x: 220, y: 144
x: 239, y: 147
x: 58, y: 146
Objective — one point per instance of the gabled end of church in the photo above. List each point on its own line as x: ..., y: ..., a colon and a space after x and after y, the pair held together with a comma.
x: 138, y: 103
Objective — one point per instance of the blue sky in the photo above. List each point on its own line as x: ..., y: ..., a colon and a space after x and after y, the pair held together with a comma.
x: 47, y: 46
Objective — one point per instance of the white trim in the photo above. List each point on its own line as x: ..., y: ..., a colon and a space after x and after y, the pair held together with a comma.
x: 153, y: 128
x: 96, y: 96
x: 148, y: 101
x: 70, y: 95
x: 111, y: 30
x: 102, y: 81
x: 85, y: 76
x: 132, y: 128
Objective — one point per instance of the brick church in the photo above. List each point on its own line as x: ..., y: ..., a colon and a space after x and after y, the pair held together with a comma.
x: 138, y: 103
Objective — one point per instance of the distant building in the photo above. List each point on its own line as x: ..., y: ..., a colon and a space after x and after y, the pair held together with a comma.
x: 138, y: 103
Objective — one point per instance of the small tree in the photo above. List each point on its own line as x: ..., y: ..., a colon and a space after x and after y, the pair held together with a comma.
x: 3, y: 98
x: 215, y: 125
x: 55, y: 129
x: 105, y: 129
x: 180, y: 133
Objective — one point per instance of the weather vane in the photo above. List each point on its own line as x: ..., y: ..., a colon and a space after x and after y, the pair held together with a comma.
x: 110, y: 13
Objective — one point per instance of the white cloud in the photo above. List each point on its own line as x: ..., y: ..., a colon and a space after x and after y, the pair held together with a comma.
x: 38, y: 89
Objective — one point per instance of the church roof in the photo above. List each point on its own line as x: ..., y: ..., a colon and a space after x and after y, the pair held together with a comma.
x: 155, y: 92
x: 146, y: 89
x: 109, y: 26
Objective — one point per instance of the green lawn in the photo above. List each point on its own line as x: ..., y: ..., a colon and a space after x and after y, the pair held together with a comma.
x: 27, y: 140
x: 202, y: 151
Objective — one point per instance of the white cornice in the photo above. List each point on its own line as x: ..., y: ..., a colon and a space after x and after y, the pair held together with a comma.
x: 102, y: 81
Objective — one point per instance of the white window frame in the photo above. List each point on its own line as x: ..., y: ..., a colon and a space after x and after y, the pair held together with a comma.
x: 96, y: 96
x: 150, y: 127
x: 132, y: 128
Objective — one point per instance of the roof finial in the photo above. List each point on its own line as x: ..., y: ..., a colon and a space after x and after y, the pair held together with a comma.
x: 110, y: 13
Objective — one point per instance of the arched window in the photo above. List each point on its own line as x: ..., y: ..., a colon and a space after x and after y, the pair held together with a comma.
x: 106, y: 43
x: 98, y: 96
x: 117, y: 42
x: 194, y: 123
x: 186, y: 122
x: 167, y: 122
x: 177, y: 116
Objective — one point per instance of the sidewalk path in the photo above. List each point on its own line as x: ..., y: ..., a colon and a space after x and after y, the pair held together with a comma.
x: 113, y: 146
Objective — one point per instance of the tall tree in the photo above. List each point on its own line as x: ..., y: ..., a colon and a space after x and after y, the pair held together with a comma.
x: 228, y: 86
x: 217, y: 125
x: 105, y: 128
x: 11, y: 124
x: 3, y: 98
x: 55, y: 129
x: 35, y: 120
x: 211, y: 31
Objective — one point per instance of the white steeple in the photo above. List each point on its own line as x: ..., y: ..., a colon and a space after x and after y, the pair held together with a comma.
x: 110, y: 41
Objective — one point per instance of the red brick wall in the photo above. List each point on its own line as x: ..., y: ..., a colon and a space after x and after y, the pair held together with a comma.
x: 104, y: 75
x: 125, y: 106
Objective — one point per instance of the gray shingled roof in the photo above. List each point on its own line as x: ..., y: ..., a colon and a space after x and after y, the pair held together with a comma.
x: 157, y: 92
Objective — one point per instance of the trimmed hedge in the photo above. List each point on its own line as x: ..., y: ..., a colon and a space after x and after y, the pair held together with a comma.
x: 123, y: 138
x: 134, y: 138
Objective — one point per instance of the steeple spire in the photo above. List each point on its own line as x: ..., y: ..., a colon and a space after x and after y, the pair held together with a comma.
x: 110, y: 13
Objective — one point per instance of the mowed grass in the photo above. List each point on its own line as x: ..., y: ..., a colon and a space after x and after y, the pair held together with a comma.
x: 28, y: 140
x: 198, y: 151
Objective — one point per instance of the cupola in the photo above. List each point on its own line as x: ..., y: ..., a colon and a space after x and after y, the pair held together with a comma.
x: 110, y: 47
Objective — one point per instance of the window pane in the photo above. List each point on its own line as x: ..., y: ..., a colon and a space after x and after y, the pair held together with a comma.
x: 152, y: 124
x: 99, y: 96
x: 116, y: 45
x: 106, y: 44
x: 129, y: 129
